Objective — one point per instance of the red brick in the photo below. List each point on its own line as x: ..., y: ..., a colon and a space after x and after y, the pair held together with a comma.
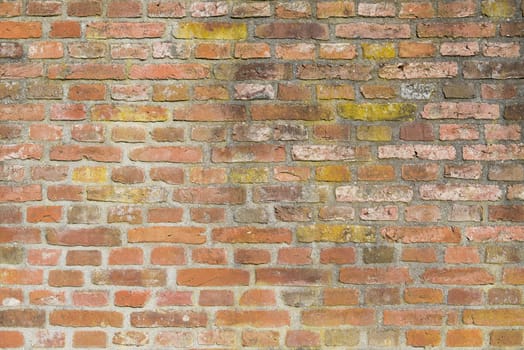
x: 11, y: 339
x: 252, y: 50
x: 252, y: 235
x: 169, y: 71
x: 423, y: 338
x: 260, y: 338
x: 11, y: 8
x: 168, y: 319
x: 373, y: 31
x: 129, y: 134
x: 87, y: 92
x: 90, y: 298
x: 176, y: 154
x: 466, y: 276
x: 506, y: 337
x: 252, y: 256
x: 10, y: 215
x: 168, y: 256
x: 20, y: 30
x: 121, y: 8
x: 371, y: 275
x: 294, y: 256
x: 46, y: 297
x: 168, y: 234
x: 172, y: 298
x: 285, y: 30
x: 513, y: 276
x: 340, y: 255
x: 338, y: 317
x: 20, y: 193
x: 22, y: 318
x: 413, y: 317
x: 211, y: 256
x: 65, y: 29
x: 335, y: 9
x: 83, y: 257
x: 212, y: 277
x: 207, y: 215
x: 217, y: 337
x: 302, y: 338
x: 340, y: 297
x: 91, y: 71
x: 94, y: 236
x: 83, y: 8
x: 89, y: 339
x: 130, y: 277
x: 42, y: 132
x: 502, y: 296
x: 464, y: 338
x: 210, y: 195
x: 258, y: 297
x: 45, y: 49
x: 457, y: 8
x: 462, y: 255
x: 417, y: 10
x: 458, y: 296
x: 292, y: 276
x: 423, y: 296
x: 66, y: 278
x: 126, y: 256
x: 168, y: 9
x: 19, y: 234
x: 131, y: 298
x: 216, y: 298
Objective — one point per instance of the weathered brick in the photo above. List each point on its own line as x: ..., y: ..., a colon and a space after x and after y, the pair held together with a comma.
x: 489, y: 70
x: 419, y: 70
x: 350, y: 71
x: 422, y: 234
x: 284, y: 30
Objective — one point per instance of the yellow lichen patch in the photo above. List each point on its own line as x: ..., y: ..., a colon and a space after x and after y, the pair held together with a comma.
x: 211, y: 30
x: 336, y: 233
x: 374, y: 133
x: 377, y: 112
x: 378, y: 51
x: 125, y: 194
x: 333, y: 173
x: 129, y: 113
x: 248, y: 175
x: 90, y: 174
x: 498, y: 8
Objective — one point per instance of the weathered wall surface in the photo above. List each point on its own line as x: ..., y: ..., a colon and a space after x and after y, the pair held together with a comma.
x: 261, y: 174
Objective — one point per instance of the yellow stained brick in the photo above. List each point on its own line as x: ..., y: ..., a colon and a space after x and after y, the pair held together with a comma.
x: 332, y: 173
x: 378, y: 51
x: 129, y: 113
x: 211, y: 30
x: 336, y: 233
x: 125, y: 194
x: 377, y: 111
x: 90, y: 174
x: 248, y: 175
x: 374, y: 133
x: 498, y: 8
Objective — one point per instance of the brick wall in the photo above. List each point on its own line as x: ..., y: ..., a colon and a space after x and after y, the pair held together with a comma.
x: 261, y: 174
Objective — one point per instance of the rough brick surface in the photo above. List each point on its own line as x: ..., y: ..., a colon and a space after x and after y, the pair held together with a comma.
x: 300, y: 174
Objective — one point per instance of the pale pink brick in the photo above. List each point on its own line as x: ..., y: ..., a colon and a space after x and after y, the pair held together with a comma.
x: 461, y: 192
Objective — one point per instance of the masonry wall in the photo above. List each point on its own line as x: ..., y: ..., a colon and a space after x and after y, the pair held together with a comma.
x: 261, y: 174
